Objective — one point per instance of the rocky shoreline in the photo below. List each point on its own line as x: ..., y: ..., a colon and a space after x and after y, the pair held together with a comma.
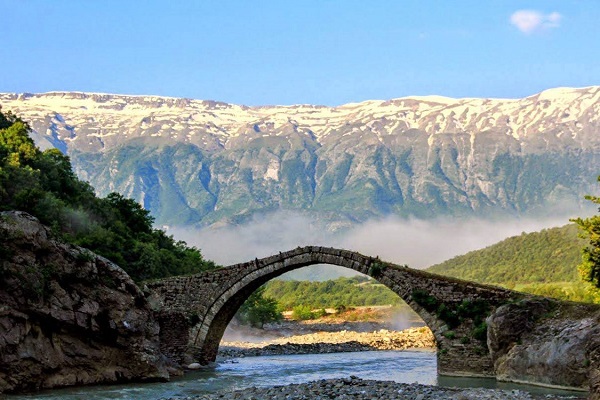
x: 356, y: 388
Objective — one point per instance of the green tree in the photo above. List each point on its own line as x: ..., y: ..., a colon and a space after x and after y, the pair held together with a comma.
x: 589, y: 268
x: 259, y: 309
x: 16, y: 142
x: 131, y: 213
x: 118, y: 228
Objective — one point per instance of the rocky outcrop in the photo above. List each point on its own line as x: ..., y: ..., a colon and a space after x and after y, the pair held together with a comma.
x: 546, y: 342
x: 68, y: 316
x: 593, y: 351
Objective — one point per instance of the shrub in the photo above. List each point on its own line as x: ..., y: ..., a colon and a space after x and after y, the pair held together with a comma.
x: 375, y: 269
x: 480, y: 332
x: 425, y: 300
x: 449, y: 334
x: 302, y: 313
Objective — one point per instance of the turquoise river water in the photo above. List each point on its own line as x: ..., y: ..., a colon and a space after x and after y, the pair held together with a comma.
x: 399, y: 366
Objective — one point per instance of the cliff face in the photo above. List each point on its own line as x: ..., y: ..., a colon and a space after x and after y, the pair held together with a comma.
x: 547, y: 342
x: 68, y: 316
x: 203, y: 162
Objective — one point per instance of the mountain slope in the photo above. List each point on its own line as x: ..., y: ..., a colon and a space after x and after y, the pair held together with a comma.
x: 543, y: 262
x: 550, y: 255
x: 203, y: 162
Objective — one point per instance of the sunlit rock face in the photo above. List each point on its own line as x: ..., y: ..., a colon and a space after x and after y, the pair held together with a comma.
x: 547, y: 342
x: 206, y: 162
x: 67, y: 316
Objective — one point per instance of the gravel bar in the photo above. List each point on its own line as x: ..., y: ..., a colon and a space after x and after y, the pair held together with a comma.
x: 356, y: 388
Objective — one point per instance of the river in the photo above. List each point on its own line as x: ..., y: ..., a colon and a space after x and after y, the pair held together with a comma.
x: 399, y: 366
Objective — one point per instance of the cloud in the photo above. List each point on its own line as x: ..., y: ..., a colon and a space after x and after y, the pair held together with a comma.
x: 530, y: 21
x: 418, y: 243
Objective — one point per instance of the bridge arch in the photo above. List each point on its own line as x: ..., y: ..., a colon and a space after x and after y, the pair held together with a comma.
x: 228, y: 303
x: 208, y: 301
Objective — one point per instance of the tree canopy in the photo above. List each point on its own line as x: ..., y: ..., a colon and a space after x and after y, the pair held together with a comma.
x: 547, y: 256
x: 43, y: 184
x: 589, y: 268
x: 259, y: 309
x: 354, y: 291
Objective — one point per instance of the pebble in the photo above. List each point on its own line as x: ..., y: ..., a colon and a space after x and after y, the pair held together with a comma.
x: 333, y: 342
x: 356, y: 388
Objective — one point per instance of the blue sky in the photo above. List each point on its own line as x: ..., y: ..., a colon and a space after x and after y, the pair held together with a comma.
x: 288, y: 52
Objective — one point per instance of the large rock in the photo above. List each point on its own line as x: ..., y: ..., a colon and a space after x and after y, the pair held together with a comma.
x: 68, y: 316
x: 546, y: 342
x: 593, y: 350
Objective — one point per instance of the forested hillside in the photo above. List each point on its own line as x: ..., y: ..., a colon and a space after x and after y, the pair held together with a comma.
x: 543, y: 262
x: 355, y: 291
x: 44, y: 185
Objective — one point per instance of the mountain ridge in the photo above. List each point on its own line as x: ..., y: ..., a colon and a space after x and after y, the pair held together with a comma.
x: 408, y: 110
x: 200, y: 162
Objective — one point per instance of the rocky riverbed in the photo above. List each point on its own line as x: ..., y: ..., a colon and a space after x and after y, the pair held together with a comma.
x: 332, y: 342
x: 306, y: 338
x: 356, y: 388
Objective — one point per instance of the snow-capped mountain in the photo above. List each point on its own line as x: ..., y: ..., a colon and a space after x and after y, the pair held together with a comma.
x: 200, y: 162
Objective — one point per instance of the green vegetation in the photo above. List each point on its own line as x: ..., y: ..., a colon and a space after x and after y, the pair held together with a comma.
x: 355, y: 291
x: 259, y: 309
x: 573, y: 291
x: 589, y: 268
x: 376, y: 268
x: 454, y: 314
x: 546, y: 256
x: 304, y: 297
x: 542, y: 263
x: 303, y: 312
x: 44, y: 185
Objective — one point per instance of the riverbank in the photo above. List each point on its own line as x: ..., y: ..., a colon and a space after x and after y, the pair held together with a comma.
x: 357, y: 329
x: 320, y: 337
x: 331, y: 342
x: 356, y: 388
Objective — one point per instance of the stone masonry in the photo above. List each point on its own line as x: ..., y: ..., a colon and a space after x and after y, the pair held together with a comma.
x: 194, y: 310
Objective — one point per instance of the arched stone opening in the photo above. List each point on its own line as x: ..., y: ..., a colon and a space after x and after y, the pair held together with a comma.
x: 228, y: 304
x: 208, y: 302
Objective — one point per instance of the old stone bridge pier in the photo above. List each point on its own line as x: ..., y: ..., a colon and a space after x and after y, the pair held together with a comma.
x: 194, y: 310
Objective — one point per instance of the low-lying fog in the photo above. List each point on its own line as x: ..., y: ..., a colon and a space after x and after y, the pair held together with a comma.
x: 417, y: 243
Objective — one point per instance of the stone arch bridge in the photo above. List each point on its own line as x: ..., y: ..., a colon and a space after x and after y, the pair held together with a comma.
x: 194, y: 310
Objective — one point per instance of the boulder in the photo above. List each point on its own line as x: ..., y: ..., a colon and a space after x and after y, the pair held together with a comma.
x: 69, y: 316
x: 545, y: 342
x: 593, y: 351
x: 193, y: 366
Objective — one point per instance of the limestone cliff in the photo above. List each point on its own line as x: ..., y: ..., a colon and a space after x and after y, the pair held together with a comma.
x: 68, y: 316
x: 547, y: 342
